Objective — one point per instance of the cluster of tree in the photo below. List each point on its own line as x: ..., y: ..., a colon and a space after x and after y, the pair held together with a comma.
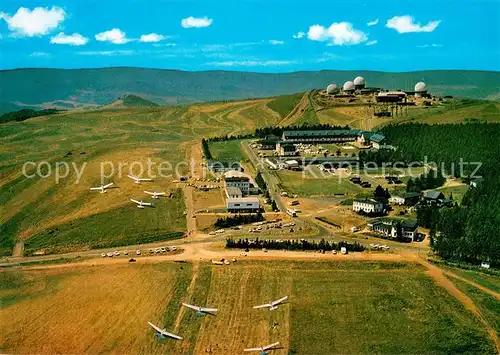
x: 430, y: 180
x: 470, y: 231
x: 465, y: 232
x: 24, y: 114
x: 427, y: 215
x: 292, y: 244
x: 446, y: 144
x: 371, y: 214
x: 277, y: 131
x: 226, y: 222
x: 206, y: 149
x: 259, y: 180
x: 380, y: 194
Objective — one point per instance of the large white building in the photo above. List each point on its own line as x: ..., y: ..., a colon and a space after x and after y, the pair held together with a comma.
x: 389, y: 227
x: 241, y: 181
x: 244, y: 204
x: 368, y: 206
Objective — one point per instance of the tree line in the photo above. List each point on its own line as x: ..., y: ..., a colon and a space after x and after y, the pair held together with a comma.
x: 25, y: 114
x: 468, y: 231
x: 426, y: 181
x: 445, y: 144
x: 206, y: 150
x: 259, y: 180
x: 302, y: 244
x: 239, y: 219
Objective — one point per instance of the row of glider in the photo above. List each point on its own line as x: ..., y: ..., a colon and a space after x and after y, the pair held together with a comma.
x: 140, y: 204
x: 162, y: 333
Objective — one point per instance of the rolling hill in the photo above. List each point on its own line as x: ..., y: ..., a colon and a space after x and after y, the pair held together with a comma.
x: 87, y: 88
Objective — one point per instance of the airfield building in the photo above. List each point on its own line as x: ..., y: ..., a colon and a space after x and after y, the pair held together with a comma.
x: 320, y: 136
x: 391, y: 96
x: 389, y: 227
x: 285, y: 149
x: 269, y: 142
x: 241, y: 181
x: 368, y: 206
x: 243, y: 204
x: 376, y: 140
x: 408, y: 199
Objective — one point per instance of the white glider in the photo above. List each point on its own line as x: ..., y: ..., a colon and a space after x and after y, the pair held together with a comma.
x: 141, y: 204
x: 272, y: 305
x: 155, y: 194
x: 163, y: 332
x: 101, y: 188
x: 137, y: 179
x: 263, y: 349
x: 200, y: 309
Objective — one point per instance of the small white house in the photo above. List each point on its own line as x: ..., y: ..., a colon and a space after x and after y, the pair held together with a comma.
x: 291, y: 164
x: 244, y: 204
x: 485, y: 265
x: 367, y: 206
x: 397, y: 200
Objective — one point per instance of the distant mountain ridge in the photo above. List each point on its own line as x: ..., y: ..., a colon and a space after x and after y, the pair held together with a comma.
x: 72, y: 88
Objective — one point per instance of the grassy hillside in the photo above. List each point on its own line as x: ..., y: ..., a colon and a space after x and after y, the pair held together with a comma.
x: 137, y: 101
x: 285, y: 104
x: 46, y: 88
x: 49, y: 215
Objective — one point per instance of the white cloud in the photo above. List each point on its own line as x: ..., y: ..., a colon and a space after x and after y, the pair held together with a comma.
x: 251, y: 63
x: 372, y: 23
x: 371, y: 43
x: 433, y: 45
x: 341, y: 33
x: 405, y: 24
x: 275, y: 42
x: 75, y: 39
x: 37, y: 22
x: 152, y: 38
x: 196, y: 22
x: 107, y: 53
x: 115, y: 36
x: 299, y: 35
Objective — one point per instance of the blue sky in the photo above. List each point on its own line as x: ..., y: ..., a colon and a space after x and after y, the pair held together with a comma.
x: 263, y: 36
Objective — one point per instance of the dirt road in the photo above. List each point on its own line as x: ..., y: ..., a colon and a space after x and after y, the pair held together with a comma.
x: 439, y: 277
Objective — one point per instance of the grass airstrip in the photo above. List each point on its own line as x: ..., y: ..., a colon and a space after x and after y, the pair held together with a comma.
x: 335, y: 307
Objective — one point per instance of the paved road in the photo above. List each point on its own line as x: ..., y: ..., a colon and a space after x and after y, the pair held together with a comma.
x: 269, y: 178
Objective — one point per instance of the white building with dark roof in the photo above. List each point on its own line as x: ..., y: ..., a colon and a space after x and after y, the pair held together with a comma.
x: 368, y: 206
x: 243, y: 204
x: 242, y: 181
